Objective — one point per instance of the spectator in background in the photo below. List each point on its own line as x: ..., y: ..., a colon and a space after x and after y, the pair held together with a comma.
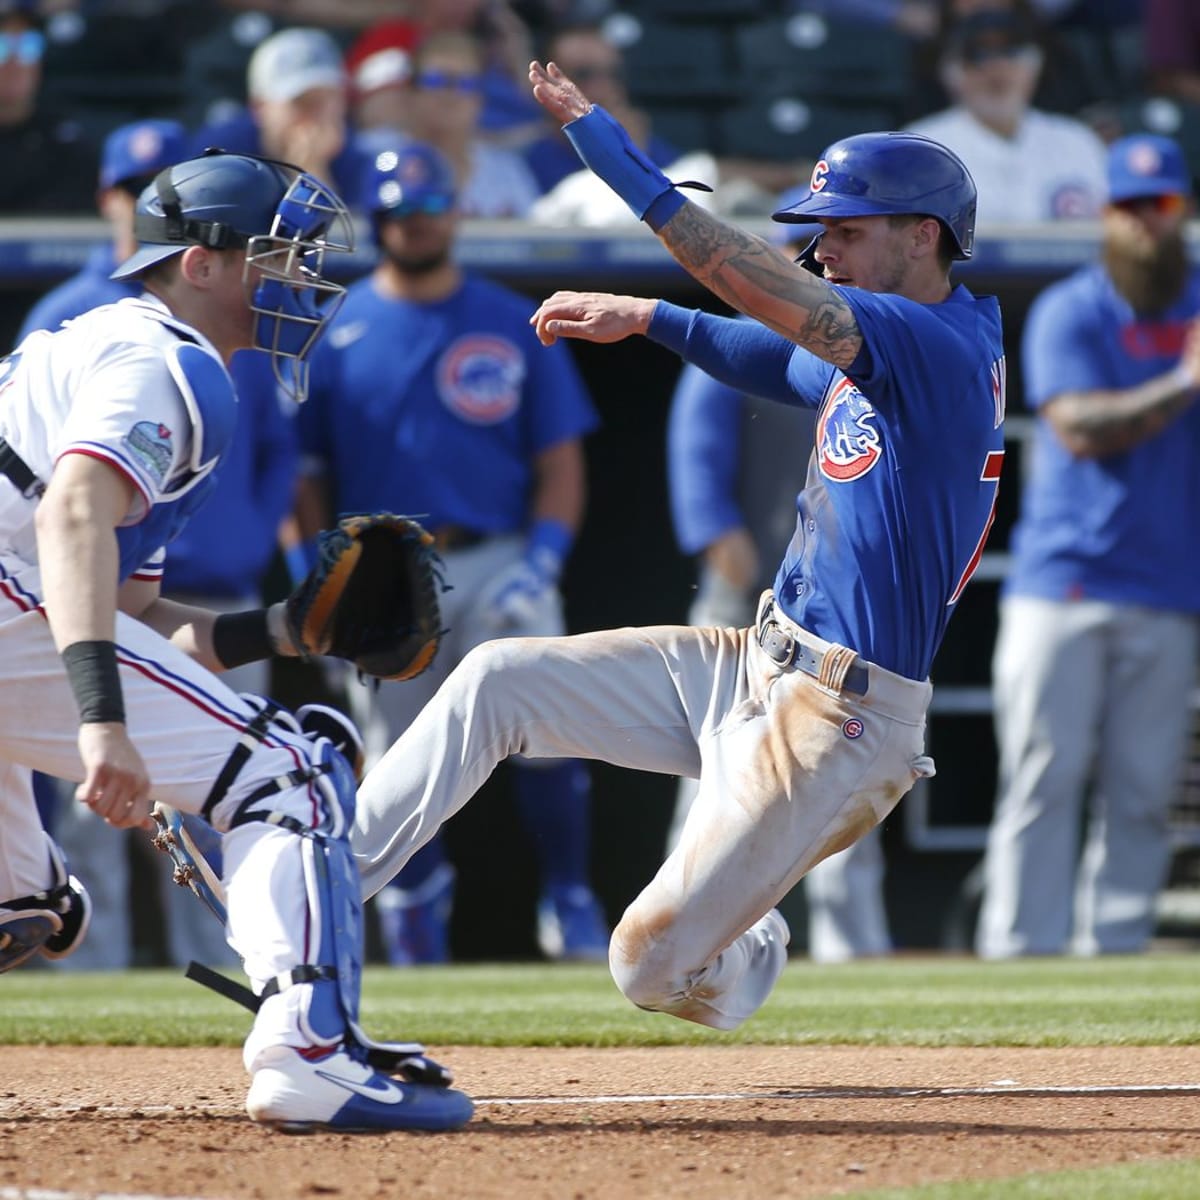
x: 731, y: 462
x: 49, y: 165
x: 217, y: 562
x: 1095, y: 660
x: 474, y: 425
x: 443, y: 107
x: 1172, y: 48
x: 297, y: 110
x: 1028, y: 165
x: 507, y: 115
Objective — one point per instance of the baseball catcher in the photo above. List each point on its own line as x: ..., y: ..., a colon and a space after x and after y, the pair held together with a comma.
x: 371, y: 597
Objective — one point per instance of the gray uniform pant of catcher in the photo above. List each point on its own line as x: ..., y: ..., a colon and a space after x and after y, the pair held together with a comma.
x: 792, y: 768
x: 1091, y: 701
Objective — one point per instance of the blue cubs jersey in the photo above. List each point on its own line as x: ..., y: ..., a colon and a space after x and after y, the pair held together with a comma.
x: 902, y: 480
x: 1118, y: 528
x: 439, y: 409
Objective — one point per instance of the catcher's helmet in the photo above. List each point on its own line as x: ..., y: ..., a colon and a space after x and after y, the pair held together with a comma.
x: 285, y: 219
x: 409, y: 179
x: 873, y: 174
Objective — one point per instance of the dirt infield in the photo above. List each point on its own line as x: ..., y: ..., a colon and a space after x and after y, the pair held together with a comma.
x: 600, y: 1124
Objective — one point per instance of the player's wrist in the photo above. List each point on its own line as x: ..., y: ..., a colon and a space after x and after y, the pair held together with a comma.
x: 547, y: 546
x: 1182, y: 379
x: 250, y: 636
x: 95, y: 679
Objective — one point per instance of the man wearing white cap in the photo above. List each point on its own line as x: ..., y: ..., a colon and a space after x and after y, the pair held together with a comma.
x: 296, y: 110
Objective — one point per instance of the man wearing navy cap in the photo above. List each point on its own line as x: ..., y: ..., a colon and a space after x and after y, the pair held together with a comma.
x: 1096, y: 653
x: 217, y: 562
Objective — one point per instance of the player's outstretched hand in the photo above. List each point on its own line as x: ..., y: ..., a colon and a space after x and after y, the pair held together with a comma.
x: 556, y: 93
x: 591, y: 316
x: 115, y: 784
x: 1190, y: 358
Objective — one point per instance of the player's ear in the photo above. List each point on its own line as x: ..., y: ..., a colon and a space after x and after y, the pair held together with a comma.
x: 197, y: 265
x: 950, y: 72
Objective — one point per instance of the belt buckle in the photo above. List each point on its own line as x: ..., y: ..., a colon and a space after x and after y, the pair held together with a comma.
x: 778, y: 646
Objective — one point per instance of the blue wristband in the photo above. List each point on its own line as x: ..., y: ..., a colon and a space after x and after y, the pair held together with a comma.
x: 548, y: 545
x: 606, y: 149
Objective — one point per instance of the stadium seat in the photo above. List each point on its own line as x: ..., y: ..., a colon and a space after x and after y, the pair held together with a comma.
x: 704, y: 11
x: 809, y: 54
x: 676, y: 61
x: 789, y: 128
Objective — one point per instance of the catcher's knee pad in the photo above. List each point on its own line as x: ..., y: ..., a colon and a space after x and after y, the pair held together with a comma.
x: 53, y: 922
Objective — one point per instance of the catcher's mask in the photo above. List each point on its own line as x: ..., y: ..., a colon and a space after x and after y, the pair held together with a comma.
x: 284, y: 218
x: 873, y: 174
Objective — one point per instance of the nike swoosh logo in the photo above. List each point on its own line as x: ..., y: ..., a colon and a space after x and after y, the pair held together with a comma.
x: 382, y: 1092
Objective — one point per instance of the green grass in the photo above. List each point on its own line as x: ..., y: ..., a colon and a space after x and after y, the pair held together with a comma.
x: 1177, y: 1180
x: 1145, y: 1000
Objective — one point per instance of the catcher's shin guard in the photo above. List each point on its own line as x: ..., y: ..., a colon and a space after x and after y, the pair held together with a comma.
x: 52, y: 922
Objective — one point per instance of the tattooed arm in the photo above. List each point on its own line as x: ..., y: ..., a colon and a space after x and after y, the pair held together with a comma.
x: 743, y: 270
x: 1103, y: 421
x: 754, y: 277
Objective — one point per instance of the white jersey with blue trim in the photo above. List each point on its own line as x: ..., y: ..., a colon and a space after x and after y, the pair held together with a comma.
x: 108, y: 384
x: 902, y: 483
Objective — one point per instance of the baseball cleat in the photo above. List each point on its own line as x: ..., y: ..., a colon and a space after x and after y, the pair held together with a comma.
x: 297, y: 1094
x: 571, y: 925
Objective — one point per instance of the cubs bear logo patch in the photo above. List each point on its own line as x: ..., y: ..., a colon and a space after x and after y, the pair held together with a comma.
x: 480, y: 377
x: 848, y: 442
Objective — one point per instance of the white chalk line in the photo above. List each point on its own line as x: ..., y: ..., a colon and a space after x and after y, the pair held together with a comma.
x: 1001, y: 1088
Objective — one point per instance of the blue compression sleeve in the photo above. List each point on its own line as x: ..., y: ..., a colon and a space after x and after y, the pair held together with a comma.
x: 743, y: 354
x: 607, y: 150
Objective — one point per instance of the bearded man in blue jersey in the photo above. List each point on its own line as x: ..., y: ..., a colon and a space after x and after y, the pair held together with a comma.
x: 805, y: 729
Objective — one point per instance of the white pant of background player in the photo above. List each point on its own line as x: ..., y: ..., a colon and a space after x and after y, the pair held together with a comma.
x: 847, y: 917
x: 790, y: 771
x: 1093, y: 710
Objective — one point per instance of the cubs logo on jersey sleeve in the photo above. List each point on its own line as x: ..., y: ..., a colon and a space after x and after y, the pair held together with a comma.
x: 480, y: 377
x: 848, y: 439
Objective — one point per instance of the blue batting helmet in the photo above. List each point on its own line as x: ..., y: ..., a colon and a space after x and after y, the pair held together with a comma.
x: 873, y: 174
x: 411, y: 178
x: 284, y: 219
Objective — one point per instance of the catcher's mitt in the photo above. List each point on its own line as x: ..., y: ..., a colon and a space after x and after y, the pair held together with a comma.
x: 372, y: 597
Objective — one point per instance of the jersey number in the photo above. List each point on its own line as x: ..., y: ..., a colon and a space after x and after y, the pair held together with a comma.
x: 991, y: 474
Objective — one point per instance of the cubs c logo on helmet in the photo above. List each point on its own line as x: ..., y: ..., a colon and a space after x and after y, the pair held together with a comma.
x: 817, y: 182
x: 848, y: 443
x: 480, y: 377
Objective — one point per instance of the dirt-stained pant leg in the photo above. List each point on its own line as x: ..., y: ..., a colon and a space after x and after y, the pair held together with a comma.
x: 792, y: 773
x: 788, y: 777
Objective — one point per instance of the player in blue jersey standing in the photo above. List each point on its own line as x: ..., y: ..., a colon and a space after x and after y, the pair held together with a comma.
x: 1095, y: 659
x: 805, y: 729
x: 432, y: 396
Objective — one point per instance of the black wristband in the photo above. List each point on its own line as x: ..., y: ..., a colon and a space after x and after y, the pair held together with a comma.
x: 240, y: 638
x: 95, y: 680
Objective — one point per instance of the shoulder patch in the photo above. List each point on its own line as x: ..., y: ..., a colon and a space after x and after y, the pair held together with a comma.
x: 150, y: 445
